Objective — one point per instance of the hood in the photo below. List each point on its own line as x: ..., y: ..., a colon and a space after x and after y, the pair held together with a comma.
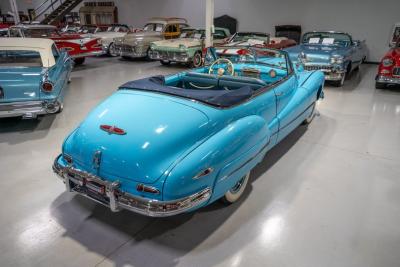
x: 175, y: 43
x: 316, y: 52
x: 20, y: 83
x: 394, y: 53
x: 158, y: 131
x: 142, y: 35
x: 108, y: 35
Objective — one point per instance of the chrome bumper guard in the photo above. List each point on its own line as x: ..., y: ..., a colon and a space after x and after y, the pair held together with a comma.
x: 131, y: 51
x: 28, y: 109
x: 331, y: 72
x: 169, y: 56
x: 111, y: 196
x: 386, y: 79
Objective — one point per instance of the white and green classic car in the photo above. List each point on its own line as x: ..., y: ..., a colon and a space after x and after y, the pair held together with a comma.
x: 187, y: 48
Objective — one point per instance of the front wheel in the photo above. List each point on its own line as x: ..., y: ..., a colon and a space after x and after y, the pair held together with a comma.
x: 197, y: 60
x: 79, y: 60
x: 165, y: 62
x: 112, y: 50
x: 236, y: 191
x: 379, y: 85
x: 340, y: 83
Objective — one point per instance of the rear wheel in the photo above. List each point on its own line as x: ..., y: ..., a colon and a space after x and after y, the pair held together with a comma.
x: 79, y: 60
x: 379, y: 85
x: 236, y: 191
x: 197, y: 60
x: 310, y: 117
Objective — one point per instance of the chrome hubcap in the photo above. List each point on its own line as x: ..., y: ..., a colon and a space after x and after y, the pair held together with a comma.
x: 238, y: 185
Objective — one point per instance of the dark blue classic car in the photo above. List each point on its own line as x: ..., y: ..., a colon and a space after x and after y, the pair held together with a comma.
x: 160, y: 146
x: 33, y: 74
x: 334, y: 53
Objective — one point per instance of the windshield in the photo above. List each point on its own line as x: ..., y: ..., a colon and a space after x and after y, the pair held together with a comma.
x: 20, y: 58
x: 245, y: 36
x: 327, y: 38
x: 153, y: 27
x: 40, y: 33
x: 88, y: 29
x: 197, y: 34
x: 117, y: 29
x: 263, y: 56
x: 396, y: 35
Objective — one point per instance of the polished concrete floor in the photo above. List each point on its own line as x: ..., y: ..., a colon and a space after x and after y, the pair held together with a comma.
x: 328, y: 195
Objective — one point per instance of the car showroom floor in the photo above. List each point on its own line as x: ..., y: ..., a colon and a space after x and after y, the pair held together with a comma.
x: 328, y: 195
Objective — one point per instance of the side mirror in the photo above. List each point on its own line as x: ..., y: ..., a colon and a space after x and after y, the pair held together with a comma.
x: 299, y: 66
x: 356, y: 43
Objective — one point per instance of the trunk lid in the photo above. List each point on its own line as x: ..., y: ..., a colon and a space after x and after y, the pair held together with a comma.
x: 158, y: 131
x: 20, y: 83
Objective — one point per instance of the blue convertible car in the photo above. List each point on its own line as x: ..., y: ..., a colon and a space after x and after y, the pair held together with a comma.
x: 160, y: 146
x: 334, y: 53
x: 33, y: 74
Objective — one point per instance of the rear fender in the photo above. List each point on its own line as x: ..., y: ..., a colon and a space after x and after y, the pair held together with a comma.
x: 228, y: 154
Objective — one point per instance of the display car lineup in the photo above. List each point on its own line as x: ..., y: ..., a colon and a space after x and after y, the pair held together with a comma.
x: 209, y: 125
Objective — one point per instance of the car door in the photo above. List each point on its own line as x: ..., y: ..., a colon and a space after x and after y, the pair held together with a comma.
x: 357, y: 53
x: 289, y: 106
x: 171, y: 31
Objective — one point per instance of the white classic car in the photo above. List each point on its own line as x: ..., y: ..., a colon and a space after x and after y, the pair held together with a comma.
x: 107, y: 37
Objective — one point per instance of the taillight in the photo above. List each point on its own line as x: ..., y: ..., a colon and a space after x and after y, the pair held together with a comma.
x: 47, y: 87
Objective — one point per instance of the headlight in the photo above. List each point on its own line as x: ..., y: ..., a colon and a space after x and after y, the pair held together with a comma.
x: 387, y: 62
x: 336, y: 60
x: 302, y: 57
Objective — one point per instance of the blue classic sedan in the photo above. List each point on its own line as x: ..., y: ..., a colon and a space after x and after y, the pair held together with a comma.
x: 334, y: 53
x: 161, y: 146
x: 33, y: 74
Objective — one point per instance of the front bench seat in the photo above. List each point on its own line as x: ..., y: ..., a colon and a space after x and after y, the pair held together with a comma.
x: 199, y: 79
x: 233, y: 83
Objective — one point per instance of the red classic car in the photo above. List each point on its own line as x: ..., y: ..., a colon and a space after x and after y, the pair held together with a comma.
x: 389, y: 68
x: 78, y: 47
x: 254, y: 39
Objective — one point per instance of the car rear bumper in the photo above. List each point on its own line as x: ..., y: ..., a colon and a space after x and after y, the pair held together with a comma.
x: 108, y: 194
x: 387, y: 79
x: 181, y: 57
x: 29, y: 109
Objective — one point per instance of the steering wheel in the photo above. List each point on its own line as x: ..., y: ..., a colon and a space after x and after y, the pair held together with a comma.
x: 227, y: 69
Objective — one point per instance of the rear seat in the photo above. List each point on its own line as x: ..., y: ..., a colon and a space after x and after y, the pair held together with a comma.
x: 199, y: 79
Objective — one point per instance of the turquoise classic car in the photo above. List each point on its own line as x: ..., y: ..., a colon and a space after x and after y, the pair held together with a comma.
x: 188, y: 48
x: 334, y: 53
x: 161, y: 146
x: 33, y: 74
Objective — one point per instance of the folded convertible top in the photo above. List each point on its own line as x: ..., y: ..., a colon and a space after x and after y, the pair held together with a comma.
x: 219, y: 98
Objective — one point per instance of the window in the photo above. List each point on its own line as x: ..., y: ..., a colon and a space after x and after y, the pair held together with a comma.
x: 20, y: 58
x: 55, y: 52
x: 171, y: 28
x: 219, y: 34
x: 15, y: 33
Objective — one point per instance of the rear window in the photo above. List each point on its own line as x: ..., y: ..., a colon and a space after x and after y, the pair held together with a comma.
x: 20, y: 58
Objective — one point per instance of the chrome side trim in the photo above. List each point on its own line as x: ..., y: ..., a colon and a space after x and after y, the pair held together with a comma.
x: 89, y: 54
x: 116, y: 199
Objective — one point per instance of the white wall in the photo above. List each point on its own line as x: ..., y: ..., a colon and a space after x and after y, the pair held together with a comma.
x: 364, y: 19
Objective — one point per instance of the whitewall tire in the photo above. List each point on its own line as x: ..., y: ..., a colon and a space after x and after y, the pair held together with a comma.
x: 237, y: 190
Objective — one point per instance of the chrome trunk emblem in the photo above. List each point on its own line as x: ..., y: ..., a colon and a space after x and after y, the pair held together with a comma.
x: 97, y: 159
